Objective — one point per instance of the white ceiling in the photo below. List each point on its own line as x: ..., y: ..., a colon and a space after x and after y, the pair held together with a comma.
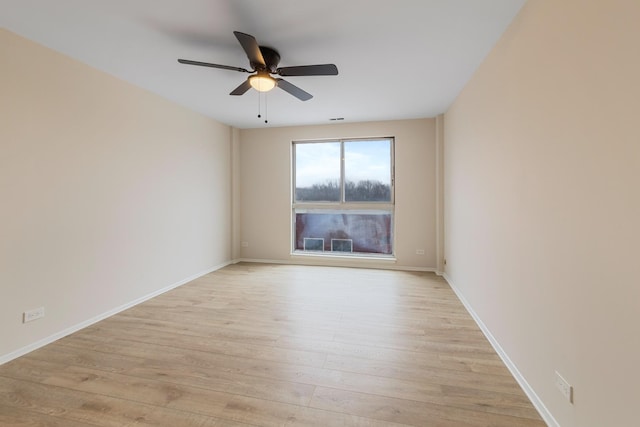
x: 397, y: 59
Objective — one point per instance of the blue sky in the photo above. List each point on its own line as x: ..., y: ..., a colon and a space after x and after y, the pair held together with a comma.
x: 317, y: 162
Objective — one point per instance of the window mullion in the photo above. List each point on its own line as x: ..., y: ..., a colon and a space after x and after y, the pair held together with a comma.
x: 342, y: 183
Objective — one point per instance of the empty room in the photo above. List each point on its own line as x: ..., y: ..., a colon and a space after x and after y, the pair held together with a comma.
x: 339, y: 213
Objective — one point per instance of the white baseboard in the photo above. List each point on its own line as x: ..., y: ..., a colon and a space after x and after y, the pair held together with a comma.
x: 531, y: 394
x: 48, y: 340
x: 338, y: 262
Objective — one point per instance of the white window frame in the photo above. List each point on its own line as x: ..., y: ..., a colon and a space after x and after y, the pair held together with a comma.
x: 342, y: 205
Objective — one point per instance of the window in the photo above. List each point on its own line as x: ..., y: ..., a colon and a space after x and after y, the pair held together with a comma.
x: 343, y: 197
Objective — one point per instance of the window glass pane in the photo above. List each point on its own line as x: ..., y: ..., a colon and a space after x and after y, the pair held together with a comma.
x: 335, y: 231
x: 367, y: 169
x: 317, y: 172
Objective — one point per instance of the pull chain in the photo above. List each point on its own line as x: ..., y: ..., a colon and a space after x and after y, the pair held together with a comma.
x: 259, y: 94
x: 260, y: 107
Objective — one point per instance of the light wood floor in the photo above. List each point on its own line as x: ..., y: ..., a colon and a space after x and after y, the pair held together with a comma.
x: 274, y: 345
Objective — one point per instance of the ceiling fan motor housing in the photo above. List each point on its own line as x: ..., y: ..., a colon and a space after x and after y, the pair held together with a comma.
x: 271, y: 58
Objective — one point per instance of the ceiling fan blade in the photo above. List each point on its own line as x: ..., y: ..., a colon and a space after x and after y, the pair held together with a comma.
x: 206, y: 64
x: 251, y: 48
x: 309, y: 70
x: 294, y: 90
x: 240, y: 90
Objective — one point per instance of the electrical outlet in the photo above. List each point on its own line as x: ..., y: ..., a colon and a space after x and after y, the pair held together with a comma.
x: 419, y: 251
x: 565, y: 388
x: 31, y: 315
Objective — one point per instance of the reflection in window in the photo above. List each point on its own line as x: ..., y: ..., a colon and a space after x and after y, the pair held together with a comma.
x: 366, y: 233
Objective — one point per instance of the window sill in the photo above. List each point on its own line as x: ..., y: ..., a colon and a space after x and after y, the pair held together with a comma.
x: 327, y: 255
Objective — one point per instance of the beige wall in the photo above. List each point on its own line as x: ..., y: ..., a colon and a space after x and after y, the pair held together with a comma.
x: 108, y: 193
x: 265, y: 189
x: 542, y: 175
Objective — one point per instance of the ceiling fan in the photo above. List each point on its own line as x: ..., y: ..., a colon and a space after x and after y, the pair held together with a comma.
x: 264, y: 62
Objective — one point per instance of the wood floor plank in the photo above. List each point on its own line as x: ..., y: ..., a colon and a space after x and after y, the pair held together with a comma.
x: 417, y: 371
x: 14, y: 417
x: 134, y: 389
x: 163, y: 366
x: 206, y: 344
x: 411, y: 413
x: 81, y: 407
x: 269, y: 414
x: 274, y: 345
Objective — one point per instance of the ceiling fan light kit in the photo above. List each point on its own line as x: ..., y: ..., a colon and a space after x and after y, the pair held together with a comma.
x: 262, y: 82
x: 264, y: 62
